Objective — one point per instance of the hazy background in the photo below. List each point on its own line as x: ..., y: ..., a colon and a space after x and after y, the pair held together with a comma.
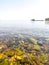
x: 23, y: 9
x: 18, y: 13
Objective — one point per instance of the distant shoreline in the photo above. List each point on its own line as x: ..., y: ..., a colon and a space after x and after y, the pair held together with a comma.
x: 36, y: 20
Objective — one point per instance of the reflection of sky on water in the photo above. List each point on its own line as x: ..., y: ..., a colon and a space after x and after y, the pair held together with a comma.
x: 35, y: 27
x: 24, y: 24
x: 17, y: 24
x: 40, y: 24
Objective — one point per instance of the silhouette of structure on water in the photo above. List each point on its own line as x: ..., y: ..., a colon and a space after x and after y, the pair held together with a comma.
x: 36, y: 20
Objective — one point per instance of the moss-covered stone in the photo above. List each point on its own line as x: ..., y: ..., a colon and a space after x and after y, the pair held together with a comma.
x: 36, y: 47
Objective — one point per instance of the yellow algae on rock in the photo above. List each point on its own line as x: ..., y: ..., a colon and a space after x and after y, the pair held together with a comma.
x: 12, y: 59
x: 18, y: 51
x: 1, y: 56
x: 44, y: 58
x: 36, y: 47
x: 10, y: 53
x: 5, y: 62
x: 32, y: 56
x: 18, y: 57
x: 11, y: 63
x: 41, y: 64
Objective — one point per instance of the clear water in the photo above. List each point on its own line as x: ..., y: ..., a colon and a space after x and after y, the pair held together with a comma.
x: 25, y: 26
x: 24, y: 43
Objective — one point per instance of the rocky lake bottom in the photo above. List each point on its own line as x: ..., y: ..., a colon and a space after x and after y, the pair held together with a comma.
x: 26, y: 45
x: 23, y: 49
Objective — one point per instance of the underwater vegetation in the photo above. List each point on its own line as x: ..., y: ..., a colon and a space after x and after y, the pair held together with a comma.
x: 24, y: 51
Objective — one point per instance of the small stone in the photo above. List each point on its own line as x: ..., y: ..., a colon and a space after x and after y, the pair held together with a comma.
x: 36, y: 47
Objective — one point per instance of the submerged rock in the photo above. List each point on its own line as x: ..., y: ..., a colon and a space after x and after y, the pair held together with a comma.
x: 33, y: 40
x: 36, y: 47
x: 2, y: 56
x: 18, y: 51
x: 40, y: 42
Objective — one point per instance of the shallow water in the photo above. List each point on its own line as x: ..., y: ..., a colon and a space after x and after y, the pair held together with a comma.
x: 25, y: 26
x: 24, y: 43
